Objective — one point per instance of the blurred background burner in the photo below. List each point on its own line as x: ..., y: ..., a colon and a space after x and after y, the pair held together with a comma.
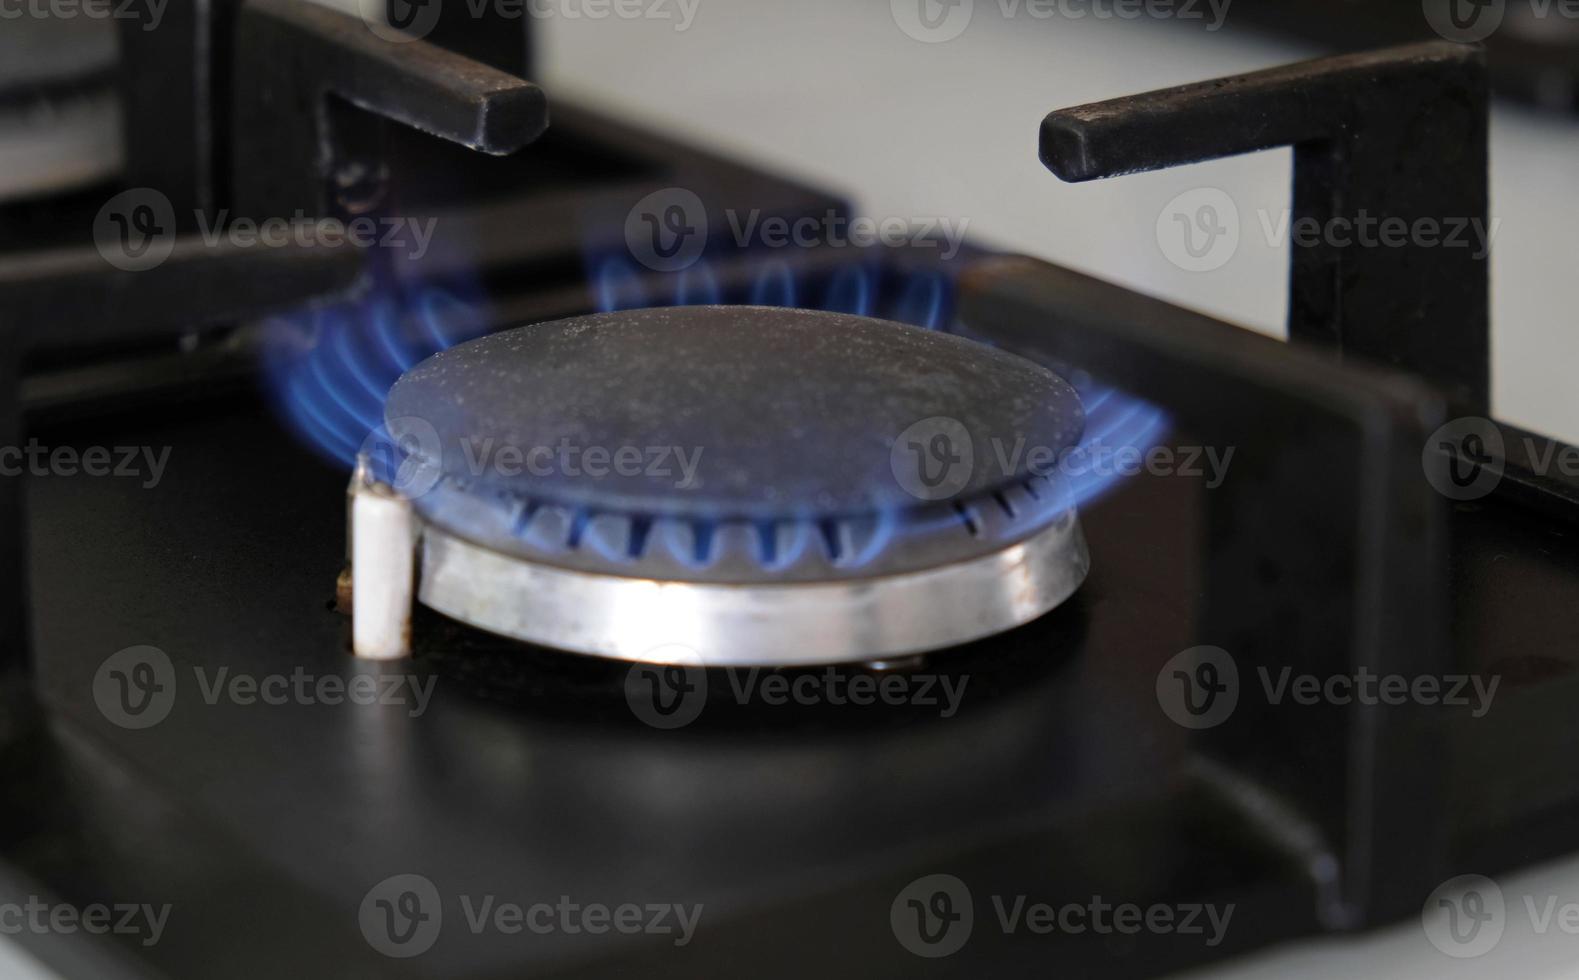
x: 60, y: 121
x: 755, y: 485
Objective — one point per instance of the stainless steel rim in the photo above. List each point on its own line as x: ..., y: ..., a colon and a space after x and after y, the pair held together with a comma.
x: 803, y: 624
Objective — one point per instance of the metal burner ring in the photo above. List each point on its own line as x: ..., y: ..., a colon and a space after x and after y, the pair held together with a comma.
x: 801, y: 624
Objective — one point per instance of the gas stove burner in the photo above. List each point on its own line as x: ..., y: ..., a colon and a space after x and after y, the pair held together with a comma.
x: 753, y: 485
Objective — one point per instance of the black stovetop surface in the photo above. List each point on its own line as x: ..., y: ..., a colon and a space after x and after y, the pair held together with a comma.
x: 527, y: 777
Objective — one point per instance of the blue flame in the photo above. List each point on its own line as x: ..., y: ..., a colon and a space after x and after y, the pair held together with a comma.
x: 1117, y: 425
x: 610, y: 545
x: 921, y: 302
x: 688, y: 542
x: 331, y: 368
x: 618, y: 286
x: 923, y: 297
x: 878, y: 535
x: 773, y: 286
x: 849, y: 291
x: 697, y: 286
x: 780, y: 546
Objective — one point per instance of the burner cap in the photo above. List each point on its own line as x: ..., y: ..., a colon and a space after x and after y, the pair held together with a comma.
x: 739, y: 481
x: 786, y: 413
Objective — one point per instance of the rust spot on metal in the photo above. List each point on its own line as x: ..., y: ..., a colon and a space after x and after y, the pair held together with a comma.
x: 343, y: 592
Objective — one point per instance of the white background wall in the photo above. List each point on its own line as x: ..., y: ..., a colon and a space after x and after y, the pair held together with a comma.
x: 832, y: 90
